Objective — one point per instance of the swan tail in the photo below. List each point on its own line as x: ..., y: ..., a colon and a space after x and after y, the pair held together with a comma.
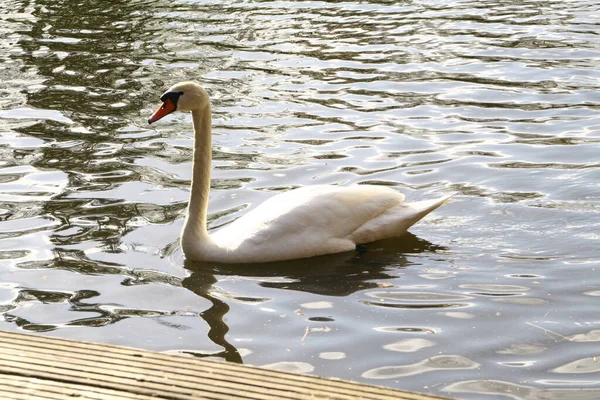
x: 396, y: 220
x: 424, y: 207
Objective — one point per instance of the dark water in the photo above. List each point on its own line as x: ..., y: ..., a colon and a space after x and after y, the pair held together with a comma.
x: 495, y: 295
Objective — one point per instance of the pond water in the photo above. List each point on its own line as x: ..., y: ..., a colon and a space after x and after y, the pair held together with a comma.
x: 494, y: 295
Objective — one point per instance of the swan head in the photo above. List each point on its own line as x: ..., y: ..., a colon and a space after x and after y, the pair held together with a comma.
x: 183, y: 96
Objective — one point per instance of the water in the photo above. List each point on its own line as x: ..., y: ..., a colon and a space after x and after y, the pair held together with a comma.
x: 495, y: 295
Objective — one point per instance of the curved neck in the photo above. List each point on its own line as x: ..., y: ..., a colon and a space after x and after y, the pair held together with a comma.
x: 198, y: 205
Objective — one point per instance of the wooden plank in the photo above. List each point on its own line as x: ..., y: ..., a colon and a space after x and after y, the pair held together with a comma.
x: 41, y: 367
x: 20, y: 387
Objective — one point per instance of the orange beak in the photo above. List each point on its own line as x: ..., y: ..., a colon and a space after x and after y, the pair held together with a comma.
x: 167, y: 107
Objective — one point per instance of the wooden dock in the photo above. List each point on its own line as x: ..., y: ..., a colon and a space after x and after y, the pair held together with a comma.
x: 35, y: 367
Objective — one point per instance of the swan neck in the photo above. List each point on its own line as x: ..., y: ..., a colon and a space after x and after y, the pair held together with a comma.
x: 200, y: 189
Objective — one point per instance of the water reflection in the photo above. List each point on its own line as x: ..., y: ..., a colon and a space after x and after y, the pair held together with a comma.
x: 330, y: 275
x: 519, y: 391
x: 493, y: 100
x: 85, y: 50
x: 336, y: 275
x: 88, y: 54
x: 437, y: 363
x: 201, y: 283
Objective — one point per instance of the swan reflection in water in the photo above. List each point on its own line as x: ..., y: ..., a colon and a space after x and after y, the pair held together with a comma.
x: 337, y: 275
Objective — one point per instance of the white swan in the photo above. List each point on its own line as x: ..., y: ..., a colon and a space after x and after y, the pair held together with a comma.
x: 305, y: 222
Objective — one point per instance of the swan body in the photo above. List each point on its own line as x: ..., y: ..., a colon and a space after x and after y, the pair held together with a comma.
x: 304, y: 222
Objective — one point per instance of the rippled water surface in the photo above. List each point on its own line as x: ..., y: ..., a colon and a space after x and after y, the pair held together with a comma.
x: 494, y: 295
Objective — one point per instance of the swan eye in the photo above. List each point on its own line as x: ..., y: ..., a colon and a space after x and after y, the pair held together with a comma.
x: 173, y: 96
x: 169, y: 105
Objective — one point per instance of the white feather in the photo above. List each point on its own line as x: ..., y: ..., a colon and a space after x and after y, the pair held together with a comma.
x: 305, y: 222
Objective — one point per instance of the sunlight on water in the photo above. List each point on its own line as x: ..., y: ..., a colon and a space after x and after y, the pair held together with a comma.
x: 492, y: 296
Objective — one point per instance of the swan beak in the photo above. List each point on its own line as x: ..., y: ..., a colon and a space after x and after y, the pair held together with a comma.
x: 167, y: 107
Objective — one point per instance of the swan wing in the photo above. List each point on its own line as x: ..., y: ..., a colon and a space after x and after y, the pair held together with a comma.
x: 307, y: 221
x: 395, y: 220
